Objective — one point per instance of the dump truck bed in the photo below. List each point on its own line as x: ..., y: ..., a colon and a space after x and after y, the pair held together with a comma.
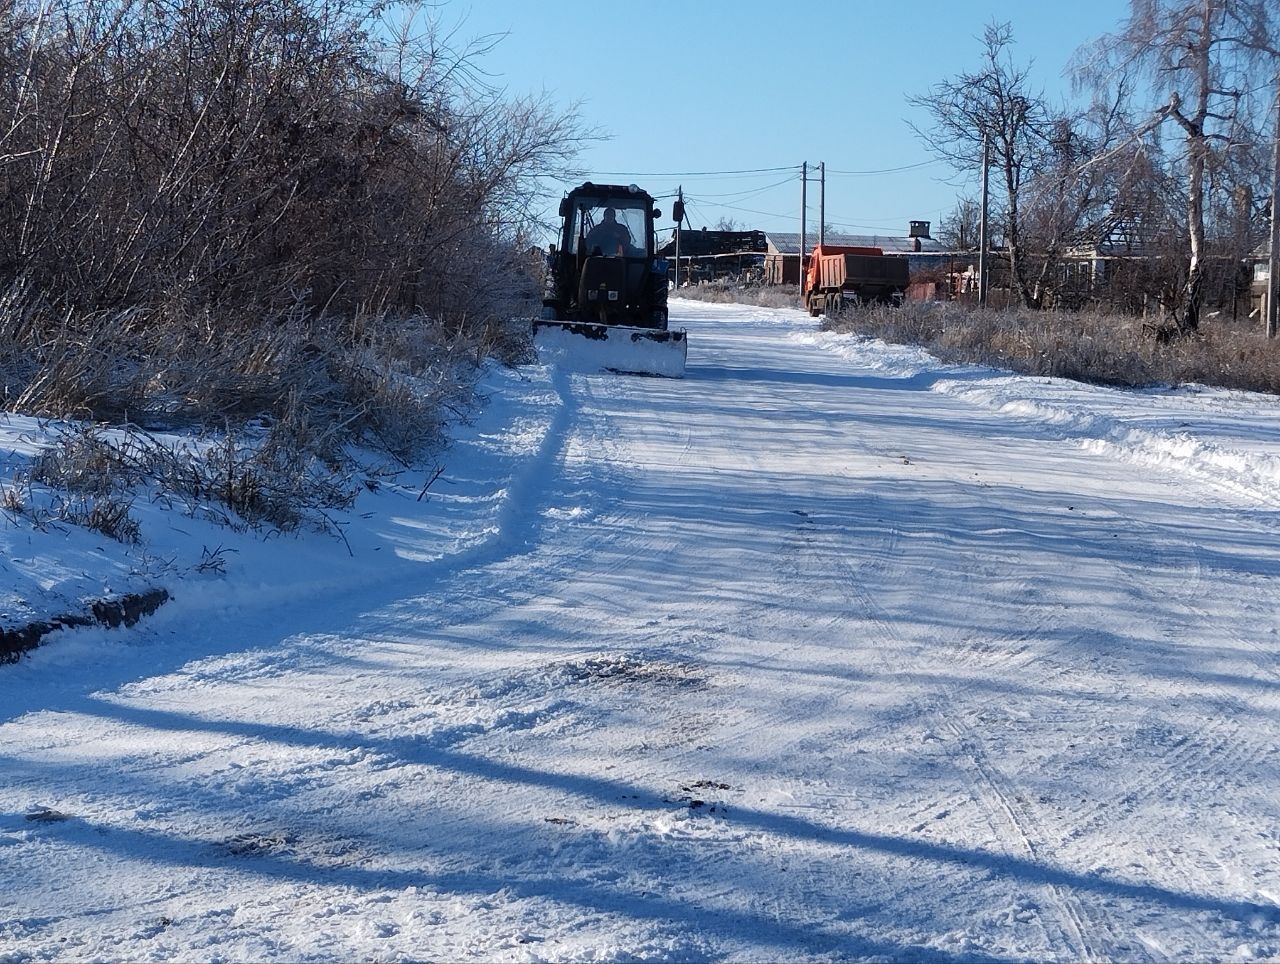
x: 852, y: 272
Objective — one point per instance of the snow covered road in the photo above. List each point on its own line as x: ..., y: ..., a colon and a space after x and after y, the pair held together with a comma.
x: 822, y: 652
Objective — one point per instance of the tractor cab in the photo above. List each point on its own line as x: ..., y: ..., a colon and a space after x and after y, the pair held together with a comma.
x: 604, y: 269
x: 609, y: 227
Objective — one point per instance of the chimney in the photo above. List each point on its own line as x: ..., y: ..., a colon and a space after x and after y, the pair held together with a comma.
x: 918, y: 229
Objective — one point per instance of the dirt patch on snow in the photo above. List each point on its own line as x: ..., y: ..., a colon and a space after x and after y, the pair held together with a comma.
x: 625, y: 669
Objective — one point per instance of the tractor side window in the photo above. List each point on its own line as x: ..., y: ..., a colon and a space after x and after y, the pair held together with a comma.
x: 613, y: 228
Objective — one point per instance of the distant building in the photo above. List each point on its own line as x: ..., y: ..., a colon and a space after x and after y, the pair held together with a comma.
x: 704, y: 243
x: 1261, y: 258
x: 707, y: 255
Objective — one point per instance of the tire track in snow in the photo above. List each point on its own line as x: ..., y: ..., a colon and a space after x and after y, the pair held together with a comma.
x: 998, y: 655
x: 1220, y: 748
x: 1076, y: 928
x: 1073, y: 925
x: 1002, y: 654
x: 1170, y: 760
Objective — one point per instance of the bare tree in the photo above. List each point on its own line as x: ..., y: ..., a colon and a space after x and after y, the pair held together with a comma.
x: 994, y: 102
x: 959, y: 228
x: 260, y: 154
x: 1075, y: 186
x: 1200, y: 59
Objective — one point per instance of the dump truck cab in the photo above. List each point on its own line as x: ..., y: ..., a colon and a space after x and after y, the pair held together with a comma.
x: 604, y: 269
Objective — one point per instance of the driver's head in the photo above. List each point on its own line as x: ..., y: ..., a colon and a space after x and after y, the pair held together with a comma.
x: 610, y: 215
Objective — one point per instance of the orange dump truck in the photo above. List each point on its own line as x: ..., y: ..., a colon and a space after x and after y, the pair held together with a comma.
x: 838, y: 275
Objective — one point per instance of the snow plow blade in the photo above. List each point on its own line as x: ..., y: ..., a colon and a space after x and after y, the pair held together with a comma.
x: 586, y: 347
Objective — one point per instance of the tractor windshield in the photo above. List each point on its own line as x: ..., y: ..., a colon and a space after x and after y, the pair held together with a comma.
x: 613, y: 227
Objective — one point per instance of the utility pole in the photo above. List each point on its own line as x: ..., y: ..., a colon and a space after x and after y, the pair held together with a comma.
x: 982, y: 225
x: 1273, y: 259
x: 822, y: 202
x: 804, y: 201
x: 679, y: 213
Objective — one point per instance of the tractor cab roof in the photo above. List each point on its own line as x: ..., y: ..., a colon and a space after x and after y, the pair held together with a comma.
x: 587, y: 189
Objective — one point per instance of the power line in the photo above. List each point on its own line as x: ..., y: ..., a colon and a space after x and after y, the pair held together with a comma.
x: 750, y: 190
x: 690, y: 206
x: 751, y: 171
x: 886, y: 170
x: 768, y: 214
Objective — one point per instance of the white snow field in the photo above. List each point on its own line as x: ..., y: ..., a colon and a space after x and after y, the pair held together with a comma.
x: 826, y: 651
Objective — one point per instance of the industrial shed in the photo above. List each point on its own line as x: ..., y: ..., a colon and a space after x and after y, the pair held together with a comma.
x: 707, y: 255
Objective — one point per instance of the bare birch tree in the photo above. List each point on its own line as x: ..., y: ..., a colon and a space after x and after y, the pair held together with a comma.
x: 1200, y: 59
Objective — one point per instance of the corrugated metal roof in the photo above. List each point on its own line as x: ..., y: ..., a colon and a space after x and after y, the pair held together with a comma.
x: 784, y: 243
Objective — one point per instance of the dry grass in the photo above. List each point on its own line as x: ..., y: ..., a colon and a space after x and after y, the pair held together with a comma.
x: 1089, y: 346
x: 275, y: 407
x: 85, y: 490
x: 728, y: 292
x: 91, y: 478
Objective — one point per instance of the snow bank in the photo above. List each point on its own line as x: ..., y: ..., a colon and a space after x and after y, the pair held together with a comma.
x: 402, y: 527
x: 1228, y: 438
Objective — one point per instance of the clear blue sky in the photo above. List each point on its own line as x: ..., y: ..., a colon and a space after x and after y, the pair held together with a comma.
x: 717, y: 86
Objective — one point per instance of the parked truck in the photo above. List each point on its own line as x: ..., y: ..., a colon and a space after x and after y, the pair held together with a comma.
x: 838, y: 275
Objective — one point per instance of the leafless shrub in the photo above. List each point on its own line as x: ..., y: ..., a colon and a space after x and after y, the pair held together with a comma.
x: 260, y: 155
x: 277, y: 211
x: 212, y: 561
x: 1090, y: 346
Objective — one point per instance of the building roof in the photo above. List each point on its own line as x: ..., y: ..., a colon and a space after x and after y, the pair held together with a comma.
x: 788, y: 243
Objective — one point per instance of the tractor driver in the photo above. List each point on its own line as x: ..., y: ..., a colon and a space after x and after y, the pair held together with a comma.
x: 610, y: 237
